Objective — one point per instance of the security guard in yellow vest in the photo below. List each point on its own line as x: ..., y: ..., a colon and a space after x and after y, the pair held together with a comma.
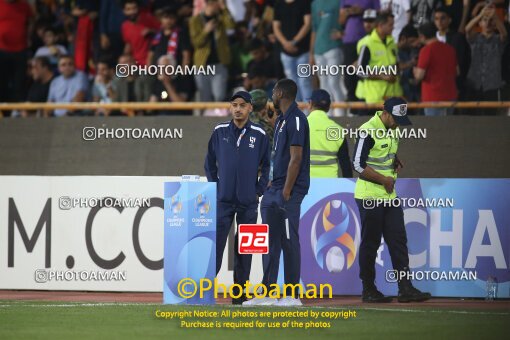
x: 378, y: 50
x: 369, y: 17
x: 375, y: 159
x: 328, y: 149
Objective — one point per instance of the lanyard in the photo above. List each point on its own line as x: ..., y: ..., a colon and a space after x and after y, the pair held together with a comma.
x: 241, y: 137
x: 277, y: 134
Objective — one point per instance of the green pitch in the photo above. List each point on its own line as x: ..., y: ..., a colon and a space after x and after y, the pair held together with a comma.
x: 65, y: 320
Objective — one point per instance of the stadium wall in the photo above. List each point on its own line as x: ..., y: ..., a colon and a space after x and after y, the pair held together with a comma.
x: 54, y: 147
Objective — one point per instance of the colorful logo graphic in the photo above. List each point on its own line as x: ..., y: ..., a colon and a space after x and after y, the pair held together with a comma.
x: 335, y: 232
x: 202, y: 205
x: 176, y: 205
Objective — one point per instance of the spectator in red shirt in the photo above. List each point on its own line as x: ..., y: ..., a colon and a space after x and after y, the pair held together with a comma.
x: 137, y: 31
x: 15, y: 17
x: 437, y: 70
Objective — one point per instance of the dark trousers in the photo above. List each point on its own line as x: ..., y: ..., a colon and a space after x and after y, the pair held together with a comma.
x: 377, y: 222
x: 224, y: 219
x: 283, y: 220
x: 351, y: 81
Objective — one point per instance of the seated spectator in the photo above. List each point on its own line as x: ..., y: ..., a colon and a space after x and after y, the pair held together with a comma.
x: 484, y: 79
x: 437, y: 70
x: 51, y: 49
x: 442, y: 20
x: 131, y: 88
x: 408, y: 50
x: 42, y: 75
x: 71, y: 86
x: 208, y: 32
x: 263, y: 59
x: 170, y: 89
x: 171, y: 39
x: 257, y: 80
x: 102, y: 89
x: 137, y: 31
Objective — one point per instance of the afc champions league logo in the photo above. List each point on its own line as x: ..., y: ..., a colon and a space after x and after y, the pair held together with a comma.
x: 202, y: 205
x: 175, y: 205
x: 335, y: 234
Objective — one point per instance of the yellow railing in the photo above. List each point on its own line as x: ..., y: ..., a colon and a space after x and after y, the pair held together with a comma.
x: 220, y: 105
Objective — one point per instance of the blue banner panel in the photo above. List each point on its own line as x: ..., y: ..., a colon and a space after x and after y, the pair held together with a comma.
x: 190, y: 241
x: 458, y: 233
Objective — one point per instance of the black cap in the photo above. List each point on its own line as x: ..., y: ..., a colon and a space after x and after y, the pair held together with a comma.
x: 321, y: 96
x: 398, y: 109
x: 243, y: 95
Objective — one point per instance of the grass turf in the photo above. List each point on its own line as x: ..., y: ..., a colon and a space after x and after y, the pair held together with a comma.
x: 64, y: 320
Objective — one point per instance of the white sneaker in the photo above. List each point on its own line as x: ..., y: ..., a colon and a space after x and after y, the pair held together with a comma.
x: 265, y: 301
x: 289, y: 301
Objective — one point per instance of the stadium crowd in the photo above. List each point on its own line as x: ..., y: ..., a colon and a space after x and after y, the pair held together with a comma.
x: 67, y: 51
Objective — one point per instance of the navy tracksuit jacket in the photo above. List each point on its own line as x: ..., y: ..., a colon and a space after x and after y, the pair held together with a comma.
x: 233, y: 160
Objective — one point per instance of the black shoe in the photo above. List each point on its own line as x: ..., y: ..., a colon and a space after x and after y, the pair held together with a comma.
x: 408, y: 293
x: 375, y: 296
x: 239, y: 301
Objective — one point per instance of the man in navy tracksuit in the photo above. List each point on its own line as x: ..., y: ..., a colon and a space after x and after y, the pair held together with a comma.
x: 237, y: 150
x: 281, y: 204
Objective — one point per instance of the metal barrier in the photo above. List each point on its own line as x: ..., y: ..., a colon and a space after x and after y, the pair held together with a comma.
x: 224, y: 105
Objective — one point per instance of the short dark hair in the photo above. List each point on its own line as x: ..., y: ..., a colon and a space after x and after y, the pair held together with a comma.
x: 443, y: 9
x: 168, y: 11
x: 428, y: 30
x: 408, y: 32
x: 50, y: 29
x: 43, y: 61
x: 321, y: 106
x: 288, y: 88
x: 125, y: 2
x: 383, y: 17
x: 66, y: 56
x: 105, y: 60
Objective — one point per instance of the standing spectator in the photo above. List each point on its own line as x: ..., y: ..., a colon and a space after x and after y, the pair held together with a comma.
x: 408, y: 50
x: 380, y: 50
x: 485, y: 74
x: 111, y: 17
x: 443, y: 20
x: 51, y: 49
x: 15, y: 18
x: 351, y: 18
x: 137, y: 31
x: 169, y: 89
x: 86, y: 12
x: 325, y: 46
x: 71, y: 86
x: 291, y: 27
x: 459, y: 13
x: 437, y: 70
x: 42, y: 75
x: 208, y: 31
x: 401, y: 10
x: 102, y: 89
x: 421, y: 11
x: 172, y: 40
